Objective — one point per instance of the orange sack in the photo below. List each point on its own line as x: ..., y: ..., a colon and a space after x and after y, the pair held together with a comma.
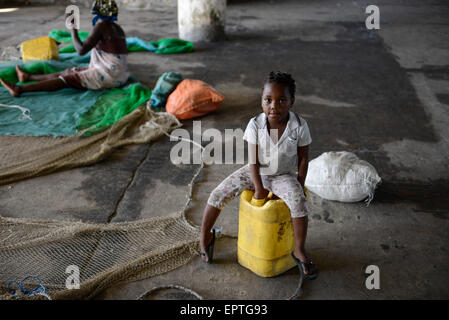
x: 193, y: 98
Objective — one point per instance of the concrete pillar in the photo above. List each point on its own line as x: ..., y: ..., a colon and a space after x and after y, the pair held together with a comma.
x: 201, y: 20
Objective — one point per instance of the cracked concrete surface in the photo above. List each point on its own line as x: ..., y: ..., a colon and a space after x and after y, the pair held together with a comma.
x: 380, y: 94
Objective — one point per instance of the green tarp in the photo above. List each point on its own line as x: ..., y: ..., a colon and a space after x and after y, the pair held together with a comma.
x: 64, y: 112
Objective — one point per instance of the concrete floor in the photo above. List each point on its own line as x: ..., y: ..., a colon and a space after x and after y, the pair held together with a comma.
x: 383, y: 95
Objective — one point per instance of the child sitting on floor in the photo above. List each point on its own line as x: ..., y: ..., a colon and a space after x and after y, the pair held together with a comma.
x: 108, y: 67
x: 285, y: 132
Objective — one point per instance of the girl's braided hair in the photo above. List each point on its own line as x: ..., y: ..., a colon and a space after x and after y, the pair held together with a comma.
x: 282, y: 78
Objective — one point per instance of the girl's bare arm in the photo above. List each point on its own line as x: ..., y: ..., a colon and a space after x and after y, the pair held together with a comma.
x: 260, y: 191
x: 303, y: 164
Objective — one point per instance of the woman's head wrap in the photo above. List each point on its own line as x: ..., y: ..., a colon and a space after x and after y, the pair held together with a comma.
x: 104, y: 10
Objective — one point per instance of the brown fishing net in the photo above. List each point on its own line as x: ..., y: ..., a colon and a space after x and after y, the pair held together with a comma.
x: 106, y: 254
x: 24, y: 157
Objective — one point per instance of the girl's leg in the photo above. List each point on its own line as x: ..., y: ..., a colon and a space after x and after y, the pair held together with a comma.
x: 300, y: 233
x: 24, y: 77
x: 227, y: 190
x: 47, y: 85
x: 289, y: 189
x: 209, y: 217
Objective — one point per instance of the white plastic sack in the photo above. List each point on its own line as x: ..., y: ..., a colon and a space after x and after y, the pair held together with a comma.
x: 342, y: 176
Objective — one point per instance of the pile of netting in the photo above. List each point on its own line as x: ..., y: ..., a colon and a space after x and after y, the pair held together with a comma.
x: 106, y: 254
x: 23, y: 157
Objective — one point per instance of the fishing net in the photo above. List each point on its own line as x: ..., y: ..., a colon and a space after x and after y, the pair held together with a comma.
x: 67, y: 111
x: 23, y: 157
x: 134, y: 44
x: 106, y: 254
x: 8, y: 71
x: 112, y: 106
x: 64, y: 36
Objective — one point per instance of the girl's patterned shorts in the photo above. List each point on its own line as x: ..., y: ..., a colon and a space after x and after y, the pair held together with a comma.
x: 285, y: 186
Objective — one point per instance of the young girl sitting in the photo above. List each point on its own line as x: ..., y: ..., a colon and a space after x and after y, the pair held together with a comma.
x: 280, y: 138
x: 108, y: 67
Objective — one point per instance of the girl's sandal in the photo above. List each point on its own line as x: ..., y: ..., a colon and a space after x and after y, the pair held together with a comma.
x: 210, y: 248
x: 308, y: 265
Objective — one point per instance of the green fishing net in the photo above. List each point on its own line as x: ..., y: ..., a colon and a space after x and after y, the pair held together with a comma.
x: 64, y: 36
x: 134, y: 44
x: 112, y: 106
x: 9, y: 74
x: 163, y: 46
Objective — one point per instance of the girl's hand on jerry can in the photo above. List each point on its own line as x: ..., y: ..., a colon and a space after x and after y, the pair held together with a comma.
x: 261, y: 194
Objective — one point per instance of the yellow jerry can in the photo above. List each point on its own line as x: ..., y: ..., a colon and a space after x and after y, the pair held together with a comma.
x: 43, y: 48
x: 265, y: 239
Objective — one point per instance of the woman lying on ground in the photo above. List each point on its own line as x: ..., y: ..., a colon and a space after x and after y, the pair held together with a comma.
x: 108, y: 62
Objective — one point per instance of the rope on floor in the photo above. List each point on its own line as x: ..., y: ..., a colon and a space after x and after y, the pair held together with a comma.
x: 26, y: 114
x: 171, y: 286
x: 298, y: 292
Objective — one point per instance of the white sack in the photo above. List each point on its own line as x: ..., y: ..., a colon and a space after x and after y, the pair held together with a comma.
x: 342, y: 176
